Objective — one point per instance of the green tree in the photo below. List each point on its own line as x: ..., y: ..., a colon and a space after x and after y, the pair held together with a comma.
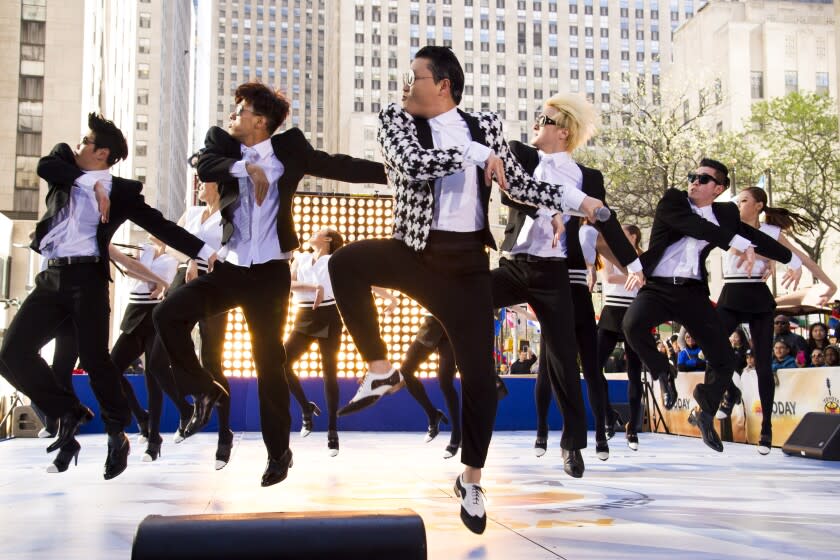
x: 798, y: 134
x: 648, y: 147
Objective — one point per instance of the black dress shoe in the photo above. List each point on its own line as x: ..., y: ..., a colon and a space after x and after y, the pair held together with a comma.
x: 705, y: 422
x: 573, y: 463
x: 62, y: 460
x: 451, y: 450
x: 434, y: 425
x: 117, y: 460
x: 540, y: 446
x: 602, y: 450
x: 277, y: 470
x: 669, y: 388
x: 203, y: 409
x: 69, y: 424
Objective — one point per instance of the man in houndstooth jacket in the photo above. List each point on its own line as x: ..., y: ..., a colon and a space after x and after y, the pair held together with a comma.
x: 434, y: 155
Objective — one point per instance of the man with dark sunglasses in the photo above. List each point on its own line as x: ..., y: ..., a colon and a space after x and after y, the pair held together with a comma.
x: 687, y: 225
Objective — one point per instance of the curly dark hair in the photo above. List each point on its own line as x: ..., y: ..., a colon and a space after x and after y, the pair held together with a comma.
x: 108, y: 136
x: 266, y: 102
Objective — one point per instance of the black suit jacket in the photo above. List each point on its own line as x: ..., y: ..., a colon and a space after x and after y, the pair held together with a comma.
x: 60, y: 171
x: 674, y: 220
x: 592, y: 185
x: 298, y: 157
x: 424, y: 136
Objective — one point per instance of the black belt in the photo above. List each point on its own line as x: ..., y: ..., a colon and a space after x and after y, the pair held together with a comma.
x: 65, y: 261
x: 525, y: 257
x: 675, y: 281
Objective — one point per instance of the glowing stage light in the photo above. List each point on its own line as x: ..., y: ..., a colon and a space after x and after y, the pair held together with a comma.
x: 356, y: 217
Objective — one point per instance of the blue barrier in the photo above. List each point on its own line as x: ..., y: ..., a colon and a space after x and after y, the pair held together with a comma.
x: 394, y: 413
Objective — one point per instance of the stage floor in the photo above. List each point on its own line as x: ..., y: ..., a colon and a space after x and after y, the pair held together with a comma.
x: 674, y: 498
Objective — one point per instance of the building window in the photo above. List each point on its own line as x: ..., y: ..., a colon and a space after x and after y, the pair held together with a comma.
x: 791, y: 81
x: 143, y: 71
x: 145, y: 21
x: 140, y: 174
x: 822, y: 83
x: 142, y: 97
x: 142, y: 122
x: 757, y: 85
x: 140, y: 148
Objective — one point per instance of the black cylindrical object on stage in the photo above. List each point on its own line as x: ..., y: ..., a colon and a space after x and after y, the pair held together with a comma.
x: 317, y: 535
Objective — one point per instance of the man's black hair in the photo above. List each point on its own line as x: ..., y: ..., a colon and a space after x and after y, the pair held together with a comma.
x: 718, y: 166
x: 444, y: 65
x: 107, y: 135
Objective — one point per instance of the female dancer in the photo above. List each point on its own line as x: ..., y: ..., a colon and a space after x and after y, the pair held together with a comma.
x: 139, y: 337
x: 616, y: 301
x: 205, y: 223
x: 317, y: 320
x: 745, y: 298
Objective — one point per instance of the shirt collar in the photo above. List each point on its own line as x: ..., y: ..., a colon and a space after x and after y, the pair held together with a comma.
x: 100, y: 174
x: 264, y: 148
x: 449, y: 118
x: 559, y: 159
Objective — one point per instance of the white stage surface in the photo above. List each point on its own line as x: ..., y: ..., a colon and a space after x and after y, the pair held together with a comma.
x: 673, y: 499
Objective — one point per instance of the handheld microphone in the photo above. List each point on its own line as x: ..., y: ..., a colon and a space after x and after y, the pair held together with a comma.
x: 602, y: 214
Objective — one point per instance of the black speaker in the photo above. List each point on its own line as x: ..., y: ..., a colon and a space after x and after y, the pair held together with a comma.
x: 817, y: 436
x: 316, y: 535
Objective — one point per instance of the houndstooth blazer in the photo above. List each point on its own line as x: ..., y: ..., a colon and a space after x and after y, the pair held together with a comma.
x: 413, y: 168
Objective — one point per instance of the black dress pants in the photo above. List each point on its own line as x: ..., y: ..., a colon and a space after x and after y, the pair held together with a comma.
x: 689, y: 305
x: 262, y: 291
x: 79, y: 294
x: 211, y: 331
x: 451, y: 279
x: 544, y: 285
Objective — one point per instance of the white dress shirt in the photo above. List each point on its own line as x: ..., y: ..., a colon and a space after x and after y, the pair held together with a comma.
x: 458, y: 205
x: 311, y: 271
x: 682, y: 259
x: 262, y: 245
x: 73, y: 231
x: 734, y: 274
x: 209, y: 231
x: 164, y: 265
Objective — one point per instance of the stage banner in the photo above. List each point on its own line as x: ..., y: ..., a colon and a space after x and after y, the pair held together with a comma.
x: 798, y: 392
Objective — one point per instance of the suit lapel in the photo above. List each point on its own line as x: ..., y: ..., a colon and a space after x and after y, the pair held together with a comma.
x: 424, y: 133
x: 475, y: 130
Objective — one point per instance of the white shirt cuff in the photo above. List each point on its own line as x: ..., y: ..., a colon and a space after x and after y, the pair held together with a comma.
x: 206, y: 252
x: 86, y: 181
x: 545, y: 213
x: 238, y: 169
x: 573, y: 198
x: 635, y: 266
x: 476, y: 154
x: 740, y: 243
x: 795, y: 262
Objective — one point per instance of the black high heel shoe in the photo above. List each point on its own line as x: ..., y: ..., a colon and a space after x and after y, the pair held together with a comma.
x: 62, y: 460
x: 765, y: 443
x: 306, y: 421
x: 332, y: 442
x: 614, y: 422
x: 731, y: 397
x: 223, y: 449
x: 152, y: 450
x: 434, y: 425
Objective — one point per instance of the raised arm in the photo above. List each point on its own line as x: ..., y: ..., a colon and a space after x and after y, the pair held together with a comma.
x: 813, y: 267
x: 403, y: 153
x: 134, y: 268
x: 215, y: 162
x: 59, y: 166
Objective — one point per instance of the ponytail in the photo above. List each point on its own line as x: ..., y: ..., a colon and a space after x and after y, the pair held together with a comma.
x: 782, y: 218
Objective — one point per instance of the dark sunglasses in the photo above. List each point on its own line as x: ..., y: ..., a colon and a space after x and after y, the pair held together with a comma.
x: 702, y: 178
x: 543, y: 120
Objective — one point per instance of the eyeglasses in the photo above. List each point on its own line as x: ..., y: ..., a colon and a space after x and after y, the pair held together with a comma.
x: 241, y: 109
x: 544, y: 120
x: 87, y: 141
x: 409, y: 78
x: 702, y: 178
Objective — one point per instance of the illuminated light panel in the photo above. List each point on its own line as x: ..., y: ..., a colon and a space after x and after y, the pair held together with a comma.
x: 356, y: 217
